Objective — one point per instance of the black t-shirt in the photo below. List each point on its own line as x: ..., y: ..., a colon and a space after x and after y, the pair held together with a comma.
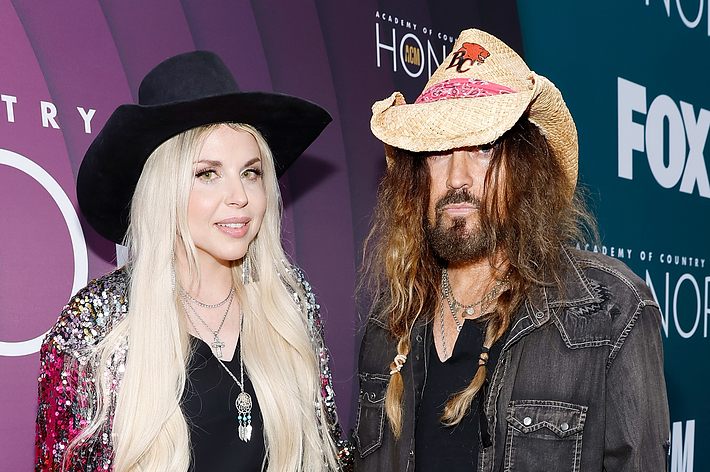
x: 453, y: 448
x: 208, y: 404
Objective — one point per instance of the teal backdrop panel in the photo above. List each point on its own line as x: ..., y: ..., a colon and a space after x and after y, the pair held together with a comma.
x: 634, y: 75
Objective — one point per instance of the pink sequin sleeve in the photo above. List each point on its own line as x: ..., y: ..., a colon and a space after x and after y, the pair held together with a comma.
x: 58, y: 421
x: 67, y: 397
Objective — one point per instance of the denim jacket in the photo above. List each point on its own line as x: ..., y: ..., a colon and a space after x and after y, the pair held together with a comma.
x: 579, y: 385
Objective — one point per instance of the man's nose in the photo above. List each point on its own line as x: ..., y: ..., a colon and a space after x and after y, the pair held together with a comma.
x: 459, y: 172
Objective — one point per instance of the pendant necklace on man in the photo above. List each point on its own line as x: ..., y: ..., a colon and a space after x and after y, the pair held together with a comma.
x: 216, y: 343
x: 454, y: 305
x: 485, y: 302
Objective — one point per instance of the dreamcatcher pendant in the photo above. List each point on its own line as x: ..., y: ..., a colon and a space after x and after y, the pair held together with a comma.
x: 243, y: 404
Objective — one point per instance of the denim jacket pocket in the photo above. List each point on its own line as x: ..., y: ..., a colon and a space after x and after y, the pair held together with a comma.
x: 544, y: 436
x: 370, y: 423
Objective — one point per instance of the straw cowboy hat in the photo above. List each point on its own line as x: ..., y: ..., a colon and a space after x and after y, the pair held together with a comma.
x: 181, y: 93
x: 477, y: 94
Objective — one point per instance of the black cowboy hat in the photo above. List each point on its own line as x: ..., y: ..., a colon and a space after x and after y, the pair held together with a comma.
x: 180, y: 93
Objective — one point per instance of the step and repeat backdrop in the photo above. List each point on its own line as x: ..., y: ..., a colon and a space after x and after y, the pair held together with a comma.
x: 632, y: 74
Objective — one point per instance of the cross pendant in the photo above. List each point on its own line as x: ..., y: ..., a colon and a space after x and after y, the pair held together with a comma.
x: 217, y: 345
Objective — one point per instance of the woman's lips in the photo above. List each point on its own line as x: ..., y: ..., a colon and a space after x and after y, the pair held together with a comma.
x: 234, y: 227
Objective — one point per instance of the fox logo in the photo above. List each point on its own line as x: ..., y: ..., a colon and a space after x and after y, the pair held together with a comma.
x: 469, y: 52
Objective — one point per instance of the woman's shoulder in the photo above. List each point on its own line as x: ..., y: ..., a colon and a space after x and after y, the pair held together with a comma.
x: 303, y: 288
x: 295, y: 282
x: 302, y: 293
x: 91, y: 313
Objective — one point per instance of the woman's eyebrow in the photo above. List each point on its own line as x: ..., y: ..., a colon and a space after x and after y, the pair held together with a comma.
x: 209, y: 162
x: 252, y: 161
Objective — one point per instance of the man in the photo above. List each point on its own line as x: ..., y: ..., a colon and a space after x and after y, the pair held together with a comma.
x: 493, y: 344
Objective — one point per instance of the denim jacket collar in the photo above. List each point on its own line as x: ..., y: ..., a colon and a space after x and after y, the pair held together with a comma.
x: 544, y: 300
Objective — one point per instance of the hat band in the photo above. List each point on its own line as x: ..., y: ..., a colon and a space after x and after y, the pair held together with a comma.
x: 462, y: 88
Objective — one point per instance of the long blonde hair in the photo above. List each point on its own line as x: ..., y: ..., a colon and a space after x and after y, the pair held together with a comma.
x: 150, y: 432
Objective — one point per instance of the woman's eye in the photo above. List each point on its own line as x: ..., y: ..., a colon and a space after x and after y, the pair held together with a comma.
x: 206, y: 174
x: 251, y: 173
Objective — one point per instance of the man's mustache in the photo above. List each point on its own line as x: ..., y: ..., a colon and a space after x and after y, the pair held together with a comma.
x: 457, y: 196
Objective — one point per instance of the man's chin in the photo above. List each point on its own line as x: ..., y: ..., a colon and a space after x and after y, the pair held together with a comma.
x: 461, y: 228
x: 458, y: 247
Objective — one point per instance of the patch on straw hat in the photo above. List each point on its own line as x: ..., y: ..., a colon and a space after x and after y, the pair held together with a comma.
x: 477, y: 94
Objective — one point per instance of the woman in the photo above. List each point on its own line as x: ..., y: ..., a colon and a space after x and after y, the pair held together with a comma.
x: 205, y: 352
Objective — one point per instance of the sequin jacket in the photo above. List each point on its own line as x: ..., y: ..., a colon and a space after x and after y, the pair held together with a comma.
x: 67, y: 396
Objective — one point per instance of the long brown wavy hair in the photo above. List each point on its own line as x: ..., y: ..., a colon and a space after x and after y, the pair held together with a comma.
x: 526, y: 209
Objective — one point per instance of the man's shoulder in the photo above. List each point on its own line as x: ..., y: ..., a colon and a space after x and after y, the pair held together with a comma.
x: 378, y: 316
x: 609, y: 272
x: 601, y: 301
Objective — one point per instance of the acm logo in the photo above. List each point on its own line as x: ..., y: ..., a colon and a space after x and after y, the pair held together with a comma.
x: 689, y: 167
x: 409, y: 51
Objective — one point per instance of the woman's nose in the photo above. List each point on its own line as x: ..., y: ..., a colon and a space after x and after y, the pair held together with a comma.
x: 236, y: 194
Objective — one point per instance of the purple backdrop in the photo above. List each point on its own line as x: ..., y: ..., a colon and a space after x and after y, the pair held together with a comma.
x: 65, y: 66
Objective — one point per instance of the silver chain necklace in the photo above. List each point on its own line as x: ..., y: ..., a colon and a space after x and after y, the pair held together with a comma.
x: 216, y: 344
x: 454, y: 305
x: 443, y: 336
x: 485, y: 302
x: 205, y: 305
x: 243, y: 402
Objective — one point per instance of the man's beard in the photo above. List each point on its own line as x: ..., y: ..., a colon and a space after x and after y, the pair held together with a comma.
x: 456, y: 243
